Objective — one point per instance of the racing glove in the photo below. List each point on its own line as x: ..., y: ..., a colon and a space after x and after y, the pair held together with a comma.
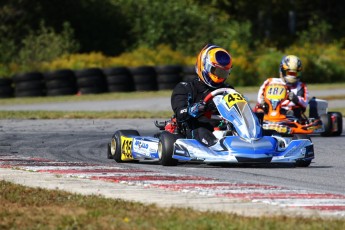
x: 196, y: 109
x: 293, y: 97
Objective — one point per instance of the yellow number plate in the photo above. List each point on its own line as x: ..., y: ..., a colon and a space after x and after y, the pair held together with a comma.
x: 126, y: 147
x: 276, y: 92
x: 233, y: 98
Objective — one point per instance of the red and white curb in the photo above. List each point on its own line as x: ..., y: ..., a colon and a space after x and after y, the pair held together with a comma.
x: 325, y: 204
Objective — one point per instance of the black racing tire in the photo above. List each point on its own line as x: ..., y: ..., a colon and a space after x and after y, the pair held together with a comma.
x: 89, y: 72
x: 91, y: 90
x: 189, y: 73
x: 5, y: 81
x: 109, y: 156
x: 339, y: 117
x: 144, y: 78
x: 166, y: 148
x: 302, y: 162
x: 189, y: 69
x: 119, y: 79
x: 115, y: 71
x: 30, y: 85
x: 29, y: 93
x: 169, y: 78
x: 169, y: 69
x: 31, y: 76
x: 6, y: 91
x: 327, y: 124
x: 115, y: 144
x: 62, y: 74
x: 60, y: 83
x: 146, y: 87
x: 189, y: 78
x: 143, y: 70
x: 166, y: 86
x: 6, y: 88
x: 90, y: 81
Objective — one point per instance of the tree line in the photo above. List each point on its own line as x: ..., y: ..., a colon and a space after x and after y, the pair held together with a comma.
x: 44, y: 30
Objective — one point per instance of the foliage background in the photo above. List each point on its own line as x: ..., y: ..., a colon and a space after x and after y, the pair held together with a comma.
x: 45, y: 35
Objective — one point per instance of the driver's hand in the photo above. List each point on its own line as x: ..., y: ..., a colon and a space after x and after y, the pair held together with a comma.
x: 196, y: 109
x: 293, y: 97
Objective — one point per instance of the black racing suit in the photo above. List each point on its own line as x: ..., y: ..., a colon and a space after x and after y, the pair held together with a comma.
x: 184, y: 95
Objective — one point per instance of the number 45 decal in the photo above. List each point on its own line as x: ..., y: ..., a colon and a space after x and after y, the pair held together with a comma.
x: 126, y: 146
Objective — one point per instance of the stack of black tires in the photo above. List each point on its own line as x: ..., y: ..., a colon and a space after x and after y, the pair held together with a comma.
x: 95, y: 80
x: 119, y: 79
x: 6, y: 88
x: 61, y: 82
x: 29, y: 84
x: 91, y: 81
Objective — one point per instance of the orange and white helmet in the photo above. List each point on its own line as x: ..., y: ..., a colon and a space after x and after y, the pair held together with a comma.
x: 290, y: 68
x: 213, y: 65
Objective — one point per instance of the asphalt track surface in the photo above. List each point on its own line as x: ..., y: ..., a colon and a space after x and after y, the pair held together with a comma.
x: 84, y: 141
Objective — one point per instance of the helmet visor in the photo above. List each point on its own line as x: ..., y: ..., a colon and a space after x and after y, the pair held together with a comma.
x: 290, y: 73
x: 219, y: 72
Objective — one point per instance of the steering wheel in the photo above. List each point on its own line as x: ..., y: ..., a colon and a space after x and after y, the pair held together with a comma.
x: 216, y: 92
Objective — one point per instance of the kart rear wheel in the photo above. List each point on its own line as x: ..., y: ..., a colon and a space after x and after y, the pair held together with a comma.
x: 166, y: 148
x: 339, y: 123
x: 115, y: 144
x: 327, y: 124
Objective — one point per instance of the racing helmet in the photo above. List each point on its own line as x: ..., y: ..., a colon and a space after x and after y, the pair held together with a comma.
x: 290, y: 69
x: 213, y: 65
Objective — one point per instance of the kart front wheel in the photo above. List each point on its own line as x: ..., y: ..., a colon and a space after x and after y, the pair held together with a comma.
x: 115, y: 144
x: 166, y: 148
x: 109, y: 156
x: 302, y: 162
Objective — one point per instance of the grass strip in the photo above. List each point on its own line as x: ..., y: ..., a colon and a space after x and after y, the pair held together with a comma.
x: 36, y: 114
x: 143, y: 94
x: 36, y: 208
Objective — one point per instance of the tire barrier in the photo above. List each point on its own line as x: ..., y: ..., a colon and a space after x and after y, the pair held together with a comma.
x: 189, y: 73
x: 95, y: 80
x: 60, y: 82
x: 6, y: 88
x: 168, y: 76
x: 91, y: 81
x: 29, y: 85
x: 119, y: 79
x: 145, y: 78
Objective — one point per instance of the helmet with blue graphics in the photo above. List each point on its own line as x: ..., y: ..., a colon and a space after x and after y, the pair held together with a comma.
x: 213, y: 65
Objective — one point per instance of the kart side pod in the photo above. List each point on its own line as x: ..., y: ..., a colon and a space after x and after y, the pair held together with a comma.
x: 317, y: 107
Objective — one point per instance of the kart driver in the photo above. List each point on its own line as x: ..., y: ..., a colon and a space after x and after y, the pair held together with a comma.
x: 289, y: 71
x: 213, y: 66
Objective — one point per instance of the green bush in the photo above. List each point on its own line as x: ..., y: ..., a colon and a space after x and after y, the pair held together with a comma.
x: 45, y: 45
x: 322, y: 63
x: 267, y: 64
